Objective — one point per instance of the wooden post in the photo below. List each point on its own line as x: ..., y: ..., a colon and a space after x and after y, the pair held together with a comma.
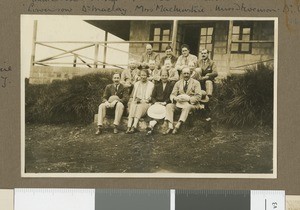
x: 174, y: 35
x: 75, y: 61
x: 105, y: 49
x: 96, y: 55
x: 34, y: 36
x: 229, y: 41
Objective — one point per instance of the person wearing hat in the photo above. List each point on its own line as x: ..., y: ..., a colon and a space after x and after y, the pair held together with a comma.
x: 160, y: 98
x: 169, y: 56
x: 149, y: 55
x: 114, y: 97
x: 131, y: 75
x: 208, y: 72
x: 185, y: 96
x: 140, y: 101
x: 185, y: 59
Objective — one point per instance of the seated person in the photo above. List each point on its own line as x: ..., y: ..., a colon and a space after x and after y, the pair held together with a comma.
x: 185, y: 59
x: 173, y: 73
x: 141, y: 97
x: 194, y: 74
x: 169, y: 56
x: 208, y: 72
x: 154, y: 73
x: 115, y: 96
x: 131, y: 75
x: 187, y: 95
x: 161, y: 95
x: 149, y: 55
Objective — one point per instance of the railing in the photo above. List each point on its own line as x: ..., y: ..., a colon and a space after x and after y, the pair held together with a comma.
x: 85, y: 60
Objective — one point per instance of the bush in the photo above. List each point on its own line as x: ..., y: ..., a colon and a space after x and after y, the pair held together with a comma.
x: 74, y: 100
x: 246, y: 99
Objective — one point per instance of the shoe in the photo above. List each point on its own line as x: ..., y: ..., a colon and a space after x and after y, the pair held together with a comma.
x: 133, y: 130
x: 175, y: 131
x: 98, y: 132
x: 149, y: 132
x: 127, y: 131
x: 116, y: 130
x: 168, y: 131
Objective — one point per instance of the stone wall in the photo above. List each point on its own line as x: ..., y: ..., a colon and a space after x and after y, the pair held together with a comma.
x: 47, y: 74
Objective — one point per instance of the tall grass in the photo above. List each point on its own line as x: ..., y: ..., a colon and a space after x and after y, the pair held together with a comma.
x: 246, y: 99
x: 74, y: 100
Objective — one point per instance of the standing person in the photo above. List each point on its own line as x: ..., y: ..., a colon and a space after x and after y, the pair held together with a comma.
x: 149, y: 55
x: 169, y: 56
x: 161, y: 95
x: 187, y: 95
x: 115, y: 97
x: 172, y: 72
x: 141, y: 97
x: 208, y: 72
x: 154, y: 73
x: 131, y: 75
x: 186, y: 59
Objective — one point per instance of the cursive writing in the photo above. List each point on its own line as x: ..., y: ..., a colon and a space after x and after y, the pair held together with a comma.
x: 3, y: 81
x: 243, y: 8
x: 111, y: 8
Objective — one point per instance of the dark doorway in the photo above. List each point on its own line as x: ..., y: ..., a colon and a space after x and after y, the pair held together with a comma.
x: 191, y: 38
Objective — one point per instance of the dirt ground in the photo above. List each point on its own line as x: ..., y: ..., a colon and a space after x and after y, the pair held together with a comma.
x: 75, y: 148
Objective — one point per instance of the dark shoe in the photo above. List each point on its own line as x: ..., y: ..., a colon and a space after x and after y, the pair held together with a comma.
x: 168, y: 131
x: 175, y: 131
x: 133, y: 130
x: 149, y: 132
x: 116, y: 130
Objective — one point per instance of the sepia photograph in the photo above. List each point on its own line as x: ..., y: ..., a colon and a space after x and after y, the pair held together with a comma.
x: 149, y: 97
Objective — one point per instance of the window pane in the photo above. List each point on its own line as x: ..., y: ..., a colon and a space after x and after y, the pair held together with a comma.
x: 209, y: 47
x: 235, y: 37
x: 236, y: 29
x: 157, y: 31
x: 156, y: 38
x: 203, y: 31
x: 201, y: 47
x: 209, y: 39
x: 246, y: 37
x: 165, y: 38
x: 234, y: 47
x: 163, y: 46
x: 155, y: 47
x: 166, y: 32
x: 203, y: 39
x: 245, y: 47
x: 246, y: 30
x: 210, y: 31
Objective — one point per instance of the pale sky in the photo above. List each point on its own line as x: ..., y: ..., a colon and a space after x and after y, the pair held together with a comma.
x: 65, y: 28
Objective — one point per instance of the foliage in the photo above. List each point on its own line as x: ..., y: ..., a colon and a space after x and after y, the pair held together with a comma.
x: 74, y: 100
x: 246, y: 99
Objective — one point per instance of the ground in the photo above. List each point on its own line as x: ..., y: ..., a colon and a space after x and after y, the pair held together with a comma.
x: 75, y: 148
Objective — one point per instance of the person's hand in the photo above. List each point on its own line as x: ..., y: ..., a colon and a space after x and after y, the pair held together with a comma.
x: 163, y: 103
x: 107, y: 104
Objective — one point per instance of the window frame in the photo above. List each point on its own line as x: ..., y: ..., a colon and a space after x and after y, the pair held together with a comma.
x: 162, y: 27
x: 242, y: 26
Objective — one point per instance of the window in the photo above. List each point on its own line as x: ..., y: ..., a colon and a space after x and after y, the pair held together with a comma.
x: 206, y: 40
x: 241, y: 35
x: 160, y: 33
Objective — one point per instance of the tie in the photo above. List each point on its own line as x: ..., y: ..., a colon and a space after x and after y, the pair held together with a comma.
x: 116, y: 86
x: 185, y: 86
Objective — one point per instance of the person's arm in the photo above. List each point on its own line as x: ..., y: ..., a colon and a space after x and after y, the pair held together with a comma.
x: 178, y: 65
x: 214, y: 72
x: 174, y: 92
x: 198, y: 93
x: 154, y: 94
x: 106, y: 94
x: 157, y: 61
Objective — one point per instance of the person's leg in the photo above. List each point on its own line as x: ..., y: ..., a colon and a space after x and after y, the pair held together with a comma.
x: 119, y: 109
x: 170, y: 109
x: 209, y: 87
x: 101, y: 115
x: 183, y: 116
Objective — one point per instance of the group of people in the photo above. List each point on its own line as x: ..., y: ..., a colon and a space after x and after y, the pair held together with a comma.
x: 159, y: 87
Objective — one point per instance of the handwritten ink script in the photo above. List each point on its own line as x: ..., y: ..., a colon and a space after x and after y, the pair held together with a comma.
x: 3, y: 75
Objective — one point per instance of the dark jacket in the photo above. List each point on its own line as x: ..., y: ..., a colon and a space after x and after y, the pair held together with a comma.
x: 160, y: 95
x: 122, y: 93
